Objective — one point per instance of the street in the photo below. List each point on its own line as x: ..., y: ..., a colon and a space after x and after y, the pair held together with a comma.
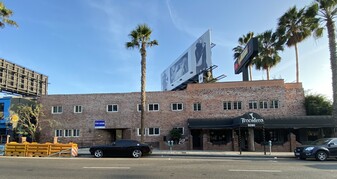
x: 165, y: 167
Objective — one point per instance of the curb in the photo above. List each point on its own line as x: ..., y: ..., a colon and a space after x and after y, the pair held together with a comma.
x: 208, y: 155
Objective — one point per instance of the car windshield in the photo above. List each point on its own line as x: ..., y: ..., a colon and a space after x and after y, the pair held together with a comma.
x: 321, y: 142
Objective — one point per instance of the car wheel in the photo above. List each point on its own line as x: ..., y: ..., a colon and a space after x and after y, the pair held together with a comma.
x: 321, y: 155
x: 302, y: 158
x: 98, y: 153
x: 136, y: 153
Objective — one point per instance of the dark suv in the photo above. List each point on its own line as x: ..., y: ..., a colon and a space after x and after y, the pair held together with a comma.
x: 320, y: 149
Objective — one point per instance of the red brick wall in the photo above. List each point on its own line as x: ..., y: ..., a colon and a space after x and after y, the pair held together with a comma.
x: 211, y: 96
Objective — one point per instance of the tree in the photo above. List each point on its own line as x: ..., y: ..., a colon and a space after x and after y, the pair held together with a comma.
x: 268, y: 57
x: 295, y: 26
x: 327, y: 12
x: 28, y: 122
x: 175, y: 135
x: 242, y: 41
x: 140, y: 38
x: 316, y: 104
x: 4, y: 16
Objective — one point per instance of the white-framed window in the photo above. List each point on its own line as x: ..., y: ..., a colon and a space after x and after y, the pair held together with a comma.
x: 180, y: 129
x: 177, y: 106
x: 58, y: 133
x: 154, y: 107
x: 138, y: 132
x: 237, y: 105
x: 197, y: 106
x: 274, y: 104
x: 252, y: 104
x: 112, y: 108
x: 78, y: 109
x: 139, y: 107
x: 154, y: 131
x: 56, y: 110
x: 227, y: 105
x: 68, y: 133
x: 76, y: 132
x: 263, y: 104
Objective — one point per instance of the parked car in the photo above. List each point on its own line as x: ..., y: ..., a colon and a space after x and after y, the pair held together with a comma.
x: 320, y: 149
x: 122, y: 147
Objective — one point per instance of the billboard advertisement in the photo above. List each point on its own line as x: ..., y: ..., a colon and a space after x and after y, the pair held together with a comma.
x: 21, y: 80
x: 190, y: 64
x: 248, y: 53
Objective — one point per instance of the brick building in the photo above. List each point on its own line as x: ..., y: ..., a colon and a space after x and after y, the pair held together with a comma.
x: 209, y: 116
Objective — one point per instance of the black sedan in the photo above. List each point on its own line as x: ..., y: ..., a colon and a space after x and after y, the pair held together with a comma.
x: 320, y: 149
x: 121, y: 148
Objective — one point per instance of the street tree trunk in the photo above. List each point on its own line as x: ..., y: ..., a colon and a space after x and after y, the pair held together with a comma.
x: 251, y: 144
x: 250, y: 72
x: 297, y: 65
x: 143, y: 93
x: 332, y: 47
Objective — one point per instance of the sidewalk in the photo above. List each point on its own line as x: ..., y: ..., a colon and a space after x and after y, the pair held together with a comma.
x: 156, y: 152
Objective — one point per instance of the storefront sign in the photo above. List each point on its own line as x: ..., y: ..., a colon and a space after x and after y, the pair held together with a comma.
x: 99, y: 124
x: 251, y: 120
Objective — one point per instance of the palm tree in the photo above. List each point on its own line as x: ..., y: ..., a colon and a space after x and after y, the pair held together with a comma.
x: 295, y: 26
x: 140, y: 38
x: 268, y: 57
x: 242, y: 41
x: 327, y: 12
x: 4, y: 16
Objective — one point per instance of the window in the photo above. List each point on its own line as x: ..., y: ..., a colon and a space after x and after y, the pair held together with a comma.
x: 218, y: 136
x: 76, y: 132
x: 180, y: 129
x: 227, y: 105
x: 112, y: 108
x: 154, y: 107
x: 154, y: 131
x: 56, y: 110
x: 263, y: 104
x: 177, y: 107
x: 252, y: 104
x: 139, y: 107
x: 58, y: 133
x: 237, y: 104
x: 77, y: 109
x: 197, y: 106
x: 138, y: 132
x: 67, y: 133
x: 274, y: 104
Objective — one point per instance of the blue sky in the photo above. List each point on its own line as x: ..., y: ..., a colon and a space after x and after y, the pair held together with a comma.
x: 80, y: 44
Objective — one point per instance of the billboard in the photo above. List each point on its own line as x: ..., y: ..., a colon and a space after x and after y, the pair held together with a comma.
x: 189, y: 65
x: 20, y: 80
x: 248, y: 53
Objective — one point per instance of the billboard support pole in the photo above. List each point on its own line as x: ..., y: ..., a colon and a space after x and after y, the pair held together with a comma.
x: 245, y: 74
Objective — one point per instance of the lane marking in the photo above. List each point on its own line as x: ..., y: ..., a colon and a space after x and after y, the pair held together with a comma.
x: 267, y: 171
x: 121, y: 168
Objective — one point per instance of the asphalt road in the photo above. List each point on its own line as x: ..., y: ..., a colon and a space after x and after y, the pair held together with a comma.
x: 162, y: 167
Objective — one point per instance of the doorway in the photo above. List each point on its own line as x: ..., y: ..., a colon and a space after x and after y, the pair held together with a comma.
x: 116, y: 134
x: 244, y: 139
x: 197, y: 139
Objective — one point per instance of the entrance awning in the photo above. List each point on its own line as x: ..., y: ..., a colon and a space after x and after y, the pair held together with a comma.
x: 254, y: 120
x: 300, y: 122
x: 210, y: 123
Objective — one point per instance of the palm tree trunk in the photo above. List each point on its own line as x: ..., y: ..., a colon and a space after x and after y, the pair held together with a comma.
x: 143, y: 94
x: 332, y: 47
x: 267, y: 73
x: 297, y: 68
x: 250, y: 73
